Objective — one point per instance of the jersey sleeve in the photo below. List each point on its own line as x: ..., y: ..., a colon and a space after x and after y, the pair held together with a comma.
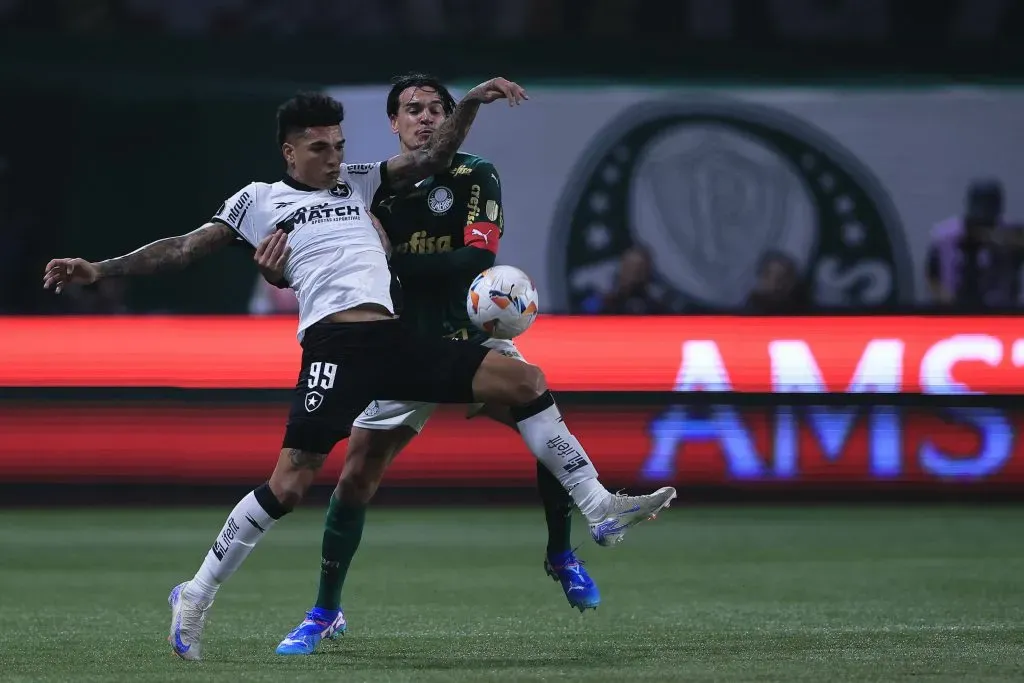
x: 238, y: 211
x: 485, y: 220
x: 369, y: 179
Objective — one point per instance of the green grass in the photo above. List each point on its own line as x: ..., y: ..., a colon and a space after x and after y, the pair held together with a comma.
x: 716, y: 594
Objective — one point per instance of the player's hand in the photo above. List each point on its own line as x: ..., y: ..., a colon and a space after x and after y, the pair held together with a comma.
x: 496, y: 89
x: 272, y: 255
x: 64, y: 271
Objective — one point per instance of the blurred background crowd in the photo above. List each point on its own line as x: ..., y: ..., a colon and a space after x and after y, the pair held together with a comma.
x: 312, y: 17
x: 503, y: 19
x: 99, y: 154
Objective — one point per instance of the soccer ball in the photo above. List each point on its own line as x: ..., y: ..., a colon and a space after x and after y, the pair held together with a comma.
x: 502, y: 302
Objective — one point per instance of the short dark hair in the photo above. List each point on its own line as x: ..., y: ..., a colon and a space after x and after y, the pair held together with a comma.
x: 307, y: 110
x: 419, y: 80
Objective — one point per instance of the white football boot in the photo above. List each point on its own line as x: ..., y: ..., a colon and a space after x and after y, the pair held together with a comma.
x: 623, y: 512
x: 187, y: 620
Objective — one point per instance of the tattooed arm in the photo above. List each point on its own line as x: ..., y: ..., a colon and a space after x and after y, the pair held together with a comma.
x: 172, y: 253
x: 405, y: 170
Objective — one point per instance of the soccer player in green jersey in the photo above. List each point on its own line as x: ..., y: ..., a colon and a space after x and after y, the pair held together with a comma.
x: 443, y: 232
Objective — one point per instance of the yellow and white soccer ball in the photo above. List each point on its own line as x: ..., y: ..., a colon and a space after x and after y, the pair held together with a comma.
x: 502, y: 302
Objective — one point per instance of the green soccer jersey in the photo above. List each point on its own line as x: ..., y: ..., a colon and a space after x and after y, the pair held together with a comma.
x: 444, y: 233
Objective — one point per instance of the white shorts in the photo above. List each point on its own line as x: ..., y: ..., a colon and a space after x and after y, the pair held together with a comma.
x: 386, y: 415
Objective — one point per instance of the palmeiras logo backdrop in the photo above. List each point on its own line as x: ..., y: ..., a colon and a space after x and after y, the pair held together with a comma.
x: 709, y: 185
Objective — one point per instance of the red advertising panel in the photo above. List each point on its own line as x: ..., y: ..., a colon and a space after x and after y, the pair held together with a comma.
x: 816, y: 354
x: 175, y: 443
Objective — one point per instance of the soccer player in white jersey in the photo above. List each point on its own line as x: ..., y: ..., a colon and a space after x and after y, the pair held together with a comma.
x: 434, y: 293
x: 354, y: 349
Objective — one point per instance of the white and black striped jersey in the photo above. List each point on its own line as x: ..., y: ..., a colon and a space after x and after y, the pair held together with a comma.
x: 337, y: 261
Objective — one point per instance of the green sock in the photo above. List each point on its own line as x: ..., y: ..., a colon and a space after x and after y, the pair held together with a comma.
x: 557, y: 510
x: 343, y: 529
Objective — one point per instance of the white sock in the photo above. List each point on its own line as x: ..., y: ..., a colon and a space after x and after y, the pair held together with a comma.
x: 591, y: 497
x: 241, y: 532
x: 553, y: 444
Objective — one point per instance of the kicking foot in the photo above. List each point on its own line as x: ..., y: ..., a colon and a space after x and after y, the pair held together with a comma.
x: 624, y: 512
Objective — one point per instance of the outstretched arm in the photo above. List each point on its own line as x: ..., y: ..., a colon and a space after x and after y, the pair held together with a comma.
x: 171, y: 253
x: 405, y: 170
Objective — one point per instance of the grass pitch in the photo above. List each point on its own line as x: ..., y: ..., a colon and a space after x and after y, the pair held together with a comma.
x: 714, y: 594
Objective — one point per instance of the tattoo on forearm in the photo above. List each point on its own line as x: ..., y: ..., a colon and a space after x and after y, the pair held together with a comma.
x: 171, y: 253
x: 447, y: 139
x: 305, y: 460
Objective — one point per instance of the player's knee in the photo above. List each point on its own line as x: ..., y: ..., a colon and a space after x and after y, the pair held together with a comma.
x: 528, y: 384
x: 288, y: 493
x: 270, y: 501
x: 361, y: 476
x: 293, y: 476
x: 357, y: 488
x: 287, y: 497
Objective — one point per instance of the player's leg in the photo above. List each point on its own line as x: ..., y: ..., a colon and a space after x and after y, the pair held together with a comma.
x: 253, y: 517
x: 502, y: 380
x: 560, y: 560
x: 462, y: 372
x: 557, y: 502
x: 378, y: 434
x: 369, y: 454
x: 321, y: 401
x: 246, y: 525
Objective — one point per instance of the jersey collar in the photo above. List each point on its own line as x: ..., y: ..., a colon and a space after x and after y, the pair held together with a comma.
x: 293, y: 183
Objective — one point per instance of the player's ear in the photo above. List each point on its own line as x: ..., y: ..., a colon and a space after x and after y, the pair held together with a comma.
x: 288, y: 150
x: 394, y: 124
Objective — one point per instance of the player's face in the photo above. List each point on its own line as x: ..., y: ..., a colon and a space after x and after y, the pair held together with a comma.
x: 420, y: 112
x: 315, y: 156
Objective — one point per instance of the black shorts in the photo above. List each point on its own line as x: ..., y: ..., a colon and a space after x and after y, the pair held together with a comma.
x: 346, y: 366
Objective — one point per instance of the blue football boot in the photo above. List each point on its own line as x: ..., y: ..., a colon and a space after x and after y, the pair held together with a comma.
x: 580, y: 589
x: 319, y: 624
